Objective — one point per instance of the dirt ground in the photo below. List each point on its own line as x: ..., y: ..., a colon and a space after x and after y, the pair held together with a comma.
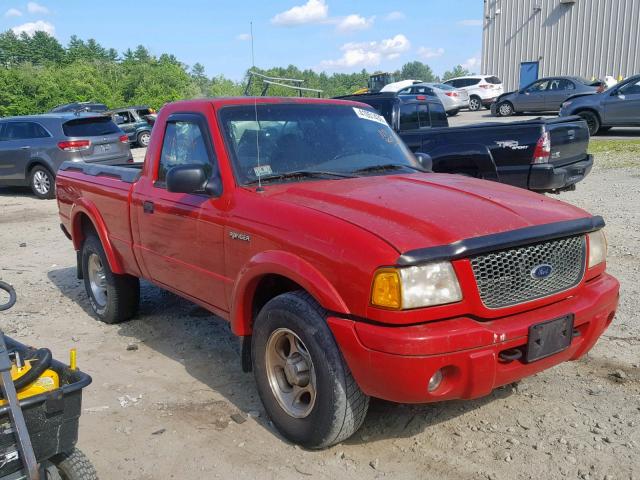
x: 167, y: 386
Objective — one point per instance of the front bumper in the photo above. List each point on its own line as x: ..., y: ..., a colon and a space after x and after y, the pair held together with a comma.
x: 396, y: 363
x: 547, y: 177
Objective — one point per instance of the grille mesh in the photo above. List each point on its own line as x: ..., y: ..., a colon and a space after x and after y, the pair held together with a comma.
x: 505, y: 278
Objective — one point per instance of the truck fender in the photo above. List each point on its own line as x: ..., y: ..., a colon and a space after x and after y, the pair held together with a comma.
x: 446, y: 157
x: 285, y: 264
x: 88, y: 208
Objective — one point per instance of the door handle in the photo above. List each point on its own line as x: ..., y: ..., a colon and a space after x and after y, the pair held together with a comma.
x: 147, y: 206
x: 26, y: 147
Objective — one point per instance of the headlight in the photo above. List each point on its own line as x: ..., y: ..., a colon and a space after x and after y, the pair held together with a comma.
x: 597, y: 248
x: 415, y: 287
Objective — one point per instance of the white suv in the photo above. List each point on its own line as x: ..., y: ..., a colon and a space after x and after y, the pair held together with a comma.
x: 483, y: 89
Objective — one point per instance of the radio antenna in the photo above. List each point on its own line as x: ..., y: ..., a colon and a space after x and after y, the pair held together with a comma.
x: 255, y: 109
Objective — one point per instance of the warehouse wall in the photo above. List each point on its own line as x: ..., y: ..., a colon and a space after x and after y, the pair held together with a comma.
x: 590, y: 38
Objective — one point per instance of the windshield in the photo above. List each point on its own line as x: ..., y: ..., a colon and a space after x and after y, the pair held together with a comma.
x: 323, y: 139
x: 444, y: 86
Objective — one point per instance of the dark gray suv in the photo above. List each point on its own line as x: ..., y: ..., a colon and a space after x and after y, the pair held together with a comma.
x: 33, y: 147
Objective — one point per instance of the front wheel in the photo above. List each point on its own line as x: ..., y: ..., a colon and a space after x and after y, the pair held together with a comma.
x: 42, y: 182
x: 305, y: 386
x: 505, y: 109
x: 144, y: 138
x: 114, y: 298
x: 475, y: 104
x: 73, y: 465
x: 593, y: 122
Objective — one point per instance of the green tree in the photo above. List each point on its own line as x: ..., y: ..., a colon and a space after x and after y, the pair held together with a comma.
x: 416, y: 71
x: 457, y: 71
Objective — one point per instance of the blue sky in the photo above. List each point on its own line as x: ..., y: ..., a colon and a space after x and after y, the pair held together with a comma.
x: 320, y: 34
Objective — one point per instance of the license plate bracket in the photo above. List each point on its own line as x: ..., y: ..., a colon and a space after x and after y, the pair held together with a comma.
x: 548, y: 338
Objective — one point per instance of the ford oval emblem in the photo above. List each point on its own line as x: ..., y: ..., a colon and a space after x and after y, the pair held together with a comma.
x: 542, y: 271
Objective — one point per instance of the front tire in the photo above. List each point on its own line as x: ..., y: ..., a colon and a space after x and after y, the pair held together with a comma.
x: 475, y: 104
x: 593, y: 122
x: 305, y: 386
x: 73, y: 465
x: 505, y: 109
x: 143, y: 139
x: 114, y: 298
x: 42, y: 182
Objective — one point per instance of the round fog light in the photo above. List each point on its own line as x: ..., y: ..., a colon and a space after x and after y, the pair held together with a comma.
x: 435, y: 381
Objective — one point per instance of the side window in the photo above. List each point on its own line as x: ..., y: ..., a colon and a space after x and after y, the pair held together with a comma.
x: 409, y: 119
x: 561, y: 84
x: 184, y: 144
x: 538, y: 86
x: 632, y: 88
x: 438, y: 115
x: 23, y: 131
x: 470, y: 82
x: 454, y: 83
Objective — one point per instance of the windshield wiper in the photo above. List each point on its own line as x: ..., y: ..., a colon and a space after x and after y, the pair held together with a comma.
x: 299, y: 173
x: 387, y: 166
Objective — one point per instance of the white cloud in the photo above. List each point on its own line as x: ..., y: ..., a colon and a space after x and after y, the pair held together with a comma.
x: 354, y: 22
x: 244, y: 37
x: 470, y: 23
x: 314, y: 11
x: 394, y: 16
x: 472, y: 63
x: 13, y: 12
x: 427, y: 52
x: 32, y: 27
x: 367, y: 54
x: 33, y: 7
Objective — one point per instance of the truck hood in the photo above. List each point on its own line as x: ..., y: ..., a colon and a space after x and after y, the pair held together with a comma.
x: 425, y: 209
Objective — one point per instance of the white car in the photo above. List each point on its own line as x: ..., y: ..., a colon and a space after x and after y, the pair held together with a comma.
x: 397, y: 86
x: 482, y: 89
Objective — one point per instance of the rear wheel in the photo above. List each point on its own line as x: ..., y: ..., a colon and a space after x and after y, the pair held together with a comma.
x: 593, y: 122
x: 42, y: 182
x: 505, y: 109
x: 73, y: 465
x: 475, y: 104
x: 114, y: 298
x: 144, y: 138
x: 305, y: 385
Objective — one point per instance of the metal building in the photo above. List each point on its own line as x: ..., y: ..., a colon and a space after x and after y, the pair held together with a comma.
x: 527, y: 39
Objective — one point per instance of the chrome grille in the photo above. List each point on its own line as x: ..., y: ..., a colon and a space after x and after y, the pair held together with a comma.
x: 506, y: 278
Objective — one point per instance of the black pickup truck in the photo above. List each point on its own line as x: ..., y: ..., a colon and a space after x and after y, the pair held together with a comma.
x: 541, y: 155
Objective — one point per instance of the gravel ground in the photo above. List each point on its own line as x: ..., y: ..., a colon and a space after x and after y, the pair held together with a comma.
x: 168, y: 399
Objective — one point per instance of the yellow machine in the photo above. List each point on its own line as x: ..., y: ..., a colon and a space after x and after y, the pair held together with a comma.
x: 47, y: 381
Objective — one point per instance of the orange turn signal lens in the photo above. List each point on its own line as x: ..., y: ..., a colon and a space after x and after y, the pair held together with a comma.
x: 386, y: 291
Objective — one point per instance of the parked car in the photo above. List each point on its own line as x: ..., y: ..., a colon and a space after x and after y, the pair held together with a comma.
x: 482, y: 89
x: 80, y: 107
x: 397, y: 86
x: 347, y: 270
x: 33, y: 147
x: 617, y: 107
x: 453, y: 99
x: 544, y: 95
x: 135, y: 122
x: 540, y: 155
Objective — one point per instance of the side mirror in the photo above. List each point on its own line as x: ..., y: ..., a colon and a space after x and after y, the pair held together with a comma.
x: 425, y: 160
x: 187, y: 179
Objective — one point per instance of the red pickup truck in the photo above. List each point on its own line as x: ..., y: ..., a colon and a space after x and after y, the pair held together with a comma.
x: 346, y: 267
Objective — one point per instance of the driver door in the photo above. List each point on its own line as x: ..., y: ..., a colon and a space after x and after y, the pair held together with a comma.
x: 622, y: 106
x: 532, y: 98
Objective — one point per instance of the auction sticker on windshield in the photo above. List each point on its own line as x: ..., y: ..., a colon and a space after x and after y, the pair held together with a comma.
x: 369, y: 115
x: 262, y: 170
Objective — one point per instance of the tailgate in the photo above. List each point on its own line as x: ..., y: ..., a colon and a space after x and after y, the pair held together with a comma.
x: 106, y: 148
x: 569, y: 140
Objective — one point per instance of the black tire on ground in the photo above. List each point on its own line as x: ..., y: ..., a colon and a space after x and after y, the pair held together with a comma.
x: 504, y: 109
x: 475, y: 103
x: 339, y: 406
x: 453, y: 113
x: 42, y: 182
x: 114, y: 298
x: 143, y: 138
x: 73, y: 465
x: 593, y: 122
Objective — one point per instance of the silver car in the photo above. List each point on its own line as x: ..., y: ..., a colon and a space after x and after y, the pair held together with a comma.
x: 452, y: 98
x: 544, y: 95
x: 33, y: 147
